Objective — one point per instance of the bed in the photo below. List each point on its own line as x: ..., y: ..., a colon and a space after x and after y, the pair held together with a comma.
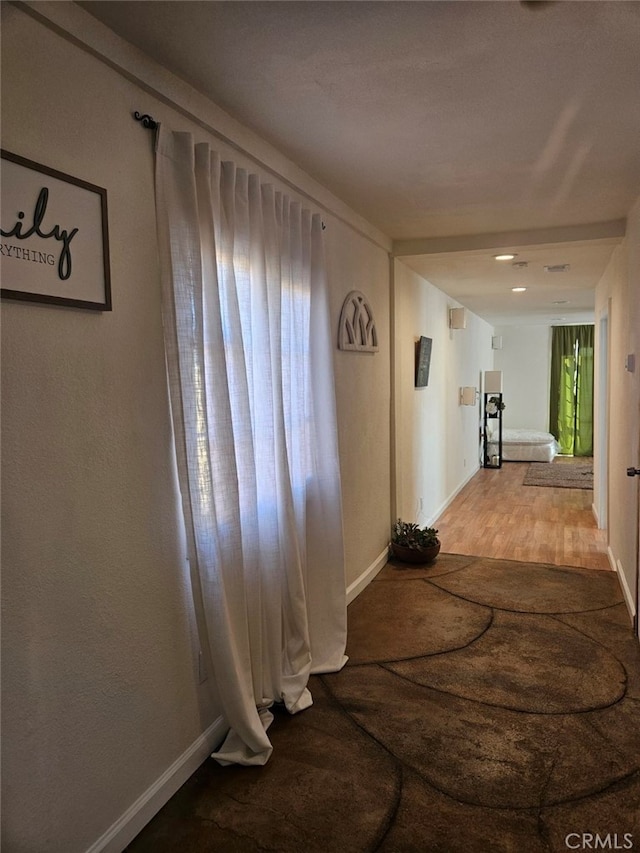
x: 524, y: 445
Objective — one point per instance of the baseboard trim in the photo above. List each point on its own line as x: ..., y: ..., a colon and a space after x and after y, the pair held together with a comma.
x: 354, y: 589
x: 452, y: 496
x: 138, y: 815
x: 616, y: 565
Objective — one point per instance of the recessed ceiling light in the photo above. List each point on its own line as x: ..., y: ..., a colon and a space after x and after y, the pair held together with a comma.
x: 518, y: 289
x: 506, y: 257
x: 560, y: 302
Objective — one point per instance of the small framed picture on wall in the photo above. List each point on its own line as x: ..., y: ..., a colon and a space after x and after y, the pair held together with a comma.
x: 423, y: 361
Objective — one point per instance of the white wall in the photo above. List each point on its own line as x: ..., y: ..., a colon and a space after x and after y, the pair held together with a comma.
x: 100, y: 686
x: 363, y: 388
x: 437, y: 441
x: 525, y: 362
x: 99, y: 691
x: 618, y: 295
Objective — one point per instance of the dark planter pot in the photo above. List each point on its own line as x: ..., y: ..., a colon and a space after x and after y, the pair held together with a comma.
x: 415, y: 555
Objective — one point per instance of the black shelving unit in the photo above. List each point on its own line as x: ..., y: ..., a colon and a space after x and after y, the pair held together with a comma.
x: 493, y: 459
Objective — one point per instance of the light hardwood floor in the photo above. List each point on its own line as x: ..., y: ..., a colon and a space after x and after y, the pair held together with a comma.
x: 496, y: 516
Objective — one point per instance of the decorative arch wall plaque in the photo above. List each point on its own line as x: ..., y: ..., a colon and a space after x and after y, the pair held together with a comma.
x: 357, y: 330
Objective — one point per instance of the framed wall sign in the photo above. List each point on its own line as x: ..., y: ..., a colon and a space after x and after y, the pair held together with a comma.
x: 54, y: 238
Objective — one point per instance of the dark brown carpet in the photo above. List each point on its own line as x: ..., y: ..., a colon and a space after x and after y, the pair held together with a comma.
x: 487, y: 706
x: 560, y: 475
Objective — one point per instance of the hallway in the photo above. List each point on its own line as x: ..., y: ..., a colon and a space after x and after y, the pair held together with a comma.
x: 495, y: 515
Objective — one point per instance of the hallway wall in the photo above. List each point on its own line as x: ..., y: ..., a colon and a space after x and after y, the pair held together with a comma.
x: 618, y: 293
x: 437, y: 441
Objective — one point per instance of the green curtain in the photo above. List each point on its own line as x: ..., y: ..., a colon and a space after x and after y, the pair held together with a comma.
x: 571, y: 400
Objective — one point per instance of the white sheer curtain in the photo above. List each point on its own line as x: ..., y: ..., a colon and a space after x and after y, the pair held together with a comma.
x: 249, y: 357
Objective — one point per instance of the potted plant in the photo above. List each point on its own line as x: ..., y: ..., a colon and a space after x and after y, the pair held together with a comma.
x: 414, y: 544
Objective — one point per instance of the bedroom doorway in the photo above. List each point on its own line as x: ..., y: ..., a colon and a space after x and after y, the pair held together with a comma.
x: 602, y: 455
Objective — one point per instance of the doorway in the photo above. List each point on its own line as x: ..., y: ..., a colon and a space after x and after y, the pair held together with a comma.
x: 602, y: 453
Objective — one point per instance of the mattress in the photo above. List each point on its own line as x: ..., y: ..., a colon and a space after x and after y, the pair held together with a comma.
x: 525, y: 445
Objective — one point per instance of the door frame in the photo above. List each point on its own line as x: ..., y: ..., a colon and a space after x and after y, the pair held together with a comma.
x: 601, y: 500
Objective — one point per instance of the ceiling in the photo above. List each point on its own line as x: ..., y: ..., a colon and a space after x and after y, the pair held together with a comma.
x: 458, y: 128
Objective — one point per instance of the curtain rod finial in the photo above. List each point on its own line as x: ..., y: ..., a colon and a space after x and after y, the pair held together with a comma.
x: 147, y: 120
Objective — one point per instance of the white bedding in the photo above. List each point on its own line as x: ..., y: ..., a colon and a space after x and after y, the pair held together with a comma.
x: 524, y: 445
